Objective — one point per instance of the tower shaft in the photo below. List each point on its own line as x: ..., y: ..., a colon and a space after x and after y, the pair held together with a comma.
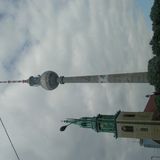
x: 139, y: 77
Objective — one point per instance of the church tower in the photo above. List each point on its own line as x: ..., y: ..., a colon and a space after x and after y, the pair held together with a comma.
x: 122, y: 124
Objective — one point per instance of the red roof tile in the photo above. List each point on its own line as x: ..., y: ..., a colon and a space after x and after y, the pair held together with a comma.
x: 151, y: 105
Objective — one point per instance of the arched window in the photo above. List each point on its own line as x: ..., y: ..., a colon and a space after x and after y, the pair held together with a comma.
x: 127, y: 128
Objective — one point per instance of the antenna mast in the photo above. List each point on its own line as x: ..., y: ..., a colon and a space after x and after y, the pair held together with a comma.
x: 15, y: 81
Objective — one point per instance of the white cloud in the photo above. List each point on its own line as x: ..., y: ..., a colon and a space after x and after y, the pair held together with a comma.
x: 71, y: 38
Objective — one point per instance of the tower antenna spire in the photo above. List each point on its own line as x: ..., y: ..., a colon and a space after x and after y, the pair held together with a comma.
x: 14, y: 81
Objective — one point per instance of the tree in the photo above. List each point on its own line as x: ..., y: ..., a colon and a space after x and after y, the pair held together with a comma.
x: 155, y: 12
x: 154, y: 72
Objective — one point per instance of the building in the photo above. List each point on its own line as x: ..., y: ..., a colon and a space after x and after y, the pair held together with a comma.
x: 140, y: 125
x: 150, y: 107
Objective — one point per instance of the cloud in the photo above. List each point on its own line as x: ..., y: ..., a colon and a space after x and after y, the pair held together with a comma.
x: 71, y: 38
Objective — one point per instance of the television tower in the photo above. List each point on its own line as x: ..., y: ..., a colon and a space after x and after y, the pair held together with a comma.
x: 50, y: 80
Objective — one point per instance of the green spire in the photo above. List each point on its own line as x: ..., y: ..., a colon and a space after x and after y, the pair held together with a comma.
x: 84, y: 122
x: 101, y: 123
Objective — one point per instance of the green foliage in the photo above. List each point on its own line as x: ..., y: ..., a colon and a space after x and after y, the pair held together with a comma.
x: 155, y: 42
x: 154, y: 72
x: 155, y: 17
x: 154, y: 63
x: 157, y: 101
x: 155, y: 12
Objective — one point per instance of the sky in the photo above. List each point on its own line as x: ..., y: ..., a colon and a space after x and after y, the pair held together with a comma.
x: 145, y: 7
x: 71, y: 37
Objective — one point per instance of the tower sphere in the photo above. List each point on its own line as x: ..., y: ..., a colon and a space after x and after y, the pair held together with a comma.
x: 48, y: 80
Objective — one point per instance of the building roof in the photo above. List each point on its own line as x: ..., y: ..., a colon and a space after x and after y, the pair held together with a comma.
x: 151, y: 105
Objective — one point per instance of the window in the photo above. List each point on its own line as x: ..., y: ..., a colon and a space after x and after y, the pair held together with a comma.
x: 127, y: 128
x: 129, y: 115
x: 84, y: 124
x: 144, y: 129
